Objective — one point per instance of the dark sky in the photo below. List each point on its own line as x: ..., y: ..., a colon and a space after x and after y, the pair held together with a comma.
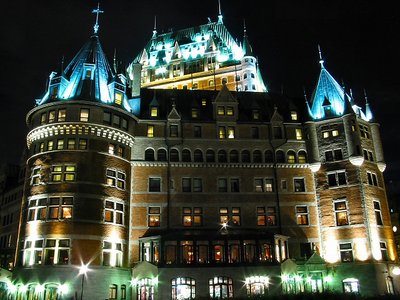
x: 359, y: 40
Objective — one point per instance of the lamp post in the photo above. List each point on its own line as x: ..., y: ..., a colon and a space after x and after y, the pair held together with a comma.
x: 82, y: 271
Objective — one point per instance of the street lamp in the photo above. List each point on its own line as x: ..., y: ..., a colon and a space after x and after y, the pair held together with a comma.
x: 82, y: 271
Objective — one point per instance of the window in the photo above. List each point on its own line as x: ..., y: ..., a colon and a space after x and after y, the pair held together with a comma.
x: 291, y: 157
x: 145, y: 289
x: 306, y: 250
x: 192, y: 216
x: 37, y: 209
x: 255, y: 133
x: 36, y: 176
x: 245, y: 156
x: 299, y: 185
x: 232, y: 217
x: 302, y: 157
x: 174, y: 155
x: 33, y: 252
x: 162, y: 155
x: 346, y: 252
x: 154, y: 184
x: 256, y: 115
x: 43, y: 118
x: 378, y: 213
x: 183, y: 288
x: 62, y: 113
x: 149, y: 155
x: 60, y: 144
x: 302, y: 215
x: 112, y: 253
x: 330, y: 133
x: 84, y: 115
x: 231, y: 132
x: 384, y: 251
x: 229, y: 111
x: 277, y: 132
x: 112, y: 292
x: 364, y: 131
x: 261, y: 216
x: 186, y: 155
x: 234, y: 156
x: 220, y: 111
x: 337, y: 178
x: 63, y: 173
x: 52, y: 116
x: 198, y: 155
x: 293, y: 115
x: 222, y: 185
x: 60, y: 208
x: 154, y: 216
x: 210, y: 156
x: 197, y: 131
x: 351, y: 285
x: 299, y: 134
x: 114, y: 212
x: 257, y: 285
x: 56, y: 252
x: 221, y: 132
x: 220, y: 287
x: 264, y: 184
x: 283, y: 185
x: 271, y: 216
x: 280, y: 156
x: 333, y: 155
x: 341, y: 213
x: 82, y: 144
x: 257, y: 156
x: 150, y: 131
x: 50, y: 145
x: 195, y: 113
x: 115, y: 178
x: 338, y: 154
x: 71, y: 144
x: 234, y: 185
x: 173, y: 130
x: 154, y: 111
x: 372, y: 179
x: 368, y: 155
x: 107, y: 118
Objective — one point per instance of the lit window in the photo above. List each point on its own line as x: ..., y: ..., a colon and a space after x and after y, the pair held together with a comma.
x: 60, y: 208
x: 50, y: 145
x: 118, y: 98
x: 60, y: 144
x: 341, y: 213
x: 346, y: 252
x: 192, y: 216
x: 229, y: 111
x: 112, y: 292
x: 221, y: 132
x: 335, y: 132
x: 195, y: 113
x: 114, y: 212
x: 299, y: 134
x: 63, y: 173
x: 145, y: 289
x: 293, y: 115
x: 257, y: 285
x: 264, y: 184
x: 302, y: 157
x: 291, y: 157
x: 84, y: 115
x: 112, y: 253
x: 271, y: 216
x: 299, y: 185
x: 33, y: 252
x: 256, y: 114
x: 43, y: 118
x: 235, y: 216
x: 154, y: 216
x: 62, y: 113
x: 220, y: 111
x: 56, y: 252
x: 36, y: 176
x: 220, y: 287
x: 154, y: 111
x: 71, y: 144
x: 150, y: 131
x: 154, y: 184
x: 115, y: 178
x: 351, y: 285
x: 302, y: 215
x: 364, y: 131
x: 378, y: 213
x: 325, y: 134
x: 372, y: 179
x: 183, y: 288
x: 52, y: 116
x: 261, y: 216
x: 337, y: 178
x: 82, y: 144
x: 203, y: 102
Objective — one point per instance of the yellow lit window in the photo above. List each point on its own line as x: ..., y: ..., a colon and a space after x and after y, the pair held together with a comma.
x: 335, y: 132
x: 325, y: 134
x: 221, y: 132
x: 231, y: 132
x: 203, y: 102
x: 154, y: 112
x: 299, y: 134
x: 293, y: 115
x: 220, y: 110
x: 84, y: 115
x: 118, y: 98
x: 229, y: 111
x: 150, y: 131
x: 195, y: 113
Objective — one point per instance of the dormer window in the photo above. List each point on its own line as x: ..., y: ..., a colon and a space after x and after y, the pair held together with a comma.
x: 154, y: 111
x: 256, y: 115
x: 293, y: 115
x: 231, y: 132
x: 118, y: 98
x: 203, y: 102
x: 220, y: 111
x: 195, y: 86
x: 88, y: 71
x: 195, y: 113
x: 229, y: 111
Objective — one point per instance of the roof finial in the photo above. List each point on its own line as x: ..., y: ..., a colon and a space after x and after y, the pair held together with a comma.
x: 365, y: 96
x: 97, y: 11
x: 305, y: 93
x: 219, y: 12
x: 115, y: 60
x: 244, y: 26
x: 321, y: 61
x: 155, y: 27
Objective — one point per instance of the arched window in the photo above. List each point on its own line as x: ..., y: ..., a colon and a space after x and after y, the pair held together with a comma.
x: 198, y: 155
x: 257, y: 285
x: 145, y: 289
x: 113, y: 292
x: 183, y: 288
x: 291, y: 157
x: 245, y: 156
x: 220, y: 287
x: 162, y: 155
x: 210, y: 155
x: 234, y: 156
x: 51, y: 292
x: 257, y: 157
x: 222, y: 156
x: 186, y: 155
x: 302, y: 157
x: 280, y: 156
x: 174, y: 155
x: 269, y: 158
x: 149, y: 155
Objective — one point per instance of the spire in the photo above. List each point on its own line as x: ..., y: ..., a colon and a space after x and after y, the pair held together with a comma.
x: 321, y: 61
x: 368, y: 112
x: 219, y: 12
x: 115, y: 60
x: 97, y: 11
x: 247, y: 49
x: 155, y: 27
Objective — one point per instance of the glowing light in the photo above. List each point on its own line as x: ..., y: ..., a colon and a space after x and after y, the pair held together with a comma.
x: 153, y: 60
x: 134, y: 282
x: 222, y: 57
x: 83, y: 269
x: 396, y: 271
x: 331, y: 250
x: 23, y: 288
x: 361, y: 249
x: 155, y: 281
x: 11, y: 288
x: 257, y: 279
x: 161, y: 70
x: 285, y: 278
x: 394, y: 228
x: 40, y: 288
x: 328, y: 278
x: 63, y: 289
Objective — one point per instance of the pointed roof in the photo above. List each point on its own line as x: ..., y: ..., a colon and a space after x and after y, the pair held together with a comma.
x: 247, y: 49
x: 174, y: 115
x: 225, y: 95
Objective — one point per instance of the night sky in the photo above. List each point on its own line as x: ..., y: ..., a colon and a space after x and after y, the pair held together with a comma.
x: 359, y: 40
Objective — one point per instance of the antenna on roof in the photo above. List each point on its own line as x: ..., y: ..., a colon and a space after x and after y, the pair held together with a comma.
x: 97, y: 11
x: 305, y: 93
x: 321, y: 61
x: 155, y: 26
x: 115, y: 60
x: 365, y: 97
x: 219, y: 12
